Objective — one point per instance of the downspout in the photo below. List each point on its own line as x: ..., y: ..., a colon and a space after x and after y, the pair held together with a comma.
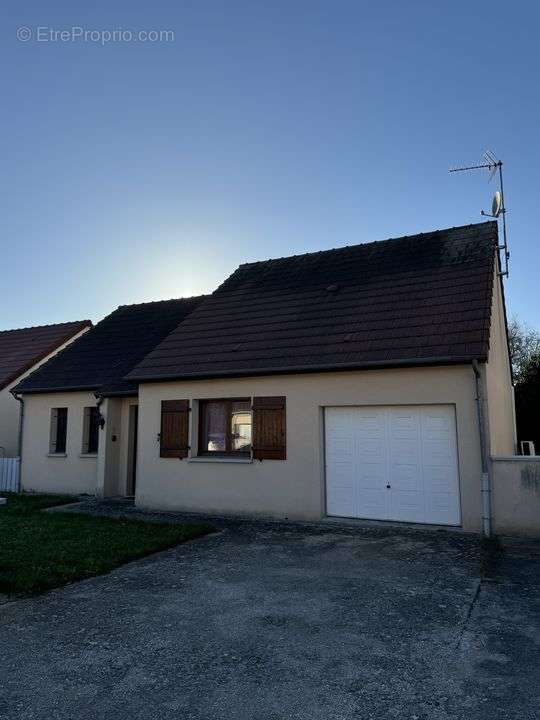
x: 20, y: 399
x: 486, y: 479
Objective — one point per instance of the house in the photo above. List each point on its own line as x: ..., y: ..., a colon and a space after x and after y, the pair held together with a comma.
x: 359, y: 367
x: 80, y: 413
x: 21, y: 352
x: 337, y: 383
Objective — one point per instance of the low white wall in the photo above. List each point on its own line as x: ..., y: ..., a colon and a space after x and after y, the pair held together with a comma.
x: 72, y: 473
x: 515, y: 499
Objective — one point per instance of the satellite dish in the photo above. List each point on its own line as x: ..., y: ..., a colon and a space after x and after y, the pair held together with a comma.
x: 496, y: 205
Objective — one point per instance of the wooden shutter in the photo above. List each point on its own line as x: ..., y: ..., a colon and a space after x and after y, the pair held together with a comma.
x: 86, y: 430
x: 269, y: 431
x: 174, y: 436
x: 53, y: 430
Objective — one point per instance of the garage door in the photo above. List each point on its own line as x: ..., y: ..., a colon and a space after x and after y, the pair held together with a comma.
x: 392, y: 463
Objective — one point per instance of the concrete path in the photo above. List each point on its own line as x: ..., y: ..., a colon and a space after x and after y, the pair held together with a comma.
x: 272, y: 622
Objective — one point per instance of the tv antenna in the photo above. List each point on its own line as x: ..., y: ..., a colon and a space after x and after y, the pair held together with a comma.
x: 494, y: 166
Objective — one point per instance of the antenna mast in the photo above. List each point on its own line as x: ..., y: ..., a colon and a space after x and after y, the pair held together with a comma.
x: 492, y: 164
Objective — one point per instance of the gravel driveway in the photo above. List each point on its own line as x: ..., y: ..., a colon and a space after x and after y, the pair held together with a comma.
x: 270, y: 621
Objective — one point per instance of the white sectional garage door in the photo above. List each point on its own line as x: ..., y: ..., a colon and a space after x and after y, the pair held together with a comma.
x: 392, y: 463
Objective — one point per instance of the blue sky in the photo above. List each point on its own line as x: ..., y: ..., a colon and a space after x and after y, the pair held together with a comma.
x: 136, y: 171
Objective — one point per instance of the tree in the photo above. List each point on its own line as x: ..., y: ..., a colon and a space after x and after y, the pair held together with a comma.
x: 525, y: 355
x: 524, y: 344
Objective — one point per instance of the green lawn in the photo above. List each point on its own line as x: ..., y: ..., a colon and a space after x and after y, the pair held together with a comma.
x: 40, y: 550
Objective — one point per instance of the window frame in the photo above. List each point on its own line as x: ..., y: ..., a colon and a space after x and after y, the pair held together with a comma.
x: 88, y: 412
x: 55, y: 426
x: 201, y: 421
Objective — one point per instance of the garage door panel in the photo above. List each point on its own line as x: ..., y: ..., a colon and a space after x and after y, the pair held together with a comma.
x: 440, y: 479
x: 438, y: 456
x: 403, y: 422
x: 340, y: 447
x: 407, y: 507
x: 372, y: 451
x: 401, y: 463
x: 370, y: 422
x: 403, y: 453
x: 340, y: 485
x: 443, y: 508
x: 372, y: 504
x: 370, y: 478
x: 405, y: 478
x: 338, y: 503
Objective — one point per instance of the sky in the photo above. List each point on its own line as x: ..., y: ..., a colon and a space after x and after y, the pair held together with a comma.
x: 138, y: 169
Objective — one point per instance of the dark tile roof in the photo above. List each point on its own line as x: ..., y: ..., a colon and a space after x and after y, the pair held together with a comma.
x: 100, y: 359
x: 21, y: 349
x: 419, y: 299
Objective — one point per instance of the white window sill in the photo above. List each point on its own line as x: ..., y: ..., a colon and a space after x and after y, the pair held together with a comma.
x: 57, y: 455
x: 222, y: 460
x: 88, y: 455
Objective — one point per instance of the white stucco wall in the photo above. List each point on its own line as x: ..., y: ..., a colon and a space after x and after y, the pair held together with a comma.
x: 40, y: 472
x: 295, y: 488
x: 9, y: 407
x: 499, y: 390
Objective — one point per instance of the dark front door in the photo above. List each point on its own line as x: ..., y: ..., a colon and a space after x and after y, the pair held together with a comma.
x: 134, y: 427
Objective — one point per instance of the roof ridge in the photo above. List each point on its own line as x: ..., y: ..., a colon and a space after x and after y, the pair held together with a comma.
x: 157, y: 302
x: 49, y: 325
x: 367, y: 244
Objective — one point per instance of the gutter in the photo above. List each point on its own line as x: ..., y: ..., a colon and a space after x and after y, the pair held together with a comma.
x: 20, y: 399
x: 486, y: 478
x: 57, y: 389
x: 301, y: 369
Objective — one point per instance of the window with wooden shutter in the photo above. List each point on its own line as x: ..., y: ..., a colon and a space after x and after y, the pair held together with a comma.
x: 225, y: 427
x: 269, y: 428
x: 174, y: 435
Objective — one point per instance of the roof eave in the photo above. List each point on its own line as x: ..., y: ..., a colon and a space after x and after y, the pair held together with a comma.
x: 118, y: 393
x: 302, y: 369
x: 58, y: 389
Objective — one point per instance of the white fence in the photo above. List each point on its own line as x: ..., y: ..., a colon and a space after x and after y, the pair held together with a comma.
x: 10, y: 475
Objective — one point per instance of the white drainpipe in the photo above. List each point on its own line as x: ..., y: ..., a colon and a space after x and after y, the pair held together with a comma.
x: 20, y: 399
x: 486, y: 479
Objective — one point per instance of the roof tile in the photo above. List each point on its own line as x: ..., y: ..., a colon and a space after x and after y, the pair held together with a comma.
x: 22, y: 348
x: 100, y: 359
x: 419, y: 298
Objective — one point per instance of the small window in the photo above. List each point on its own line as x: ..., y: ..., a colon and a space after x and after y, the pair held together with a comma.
x: 225, y: 427
x: 57, y: 444
x: 90, y: 430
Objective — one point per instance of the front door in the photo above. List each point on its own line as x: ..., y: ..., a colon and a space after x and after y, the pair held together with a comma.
x: 132, y: 449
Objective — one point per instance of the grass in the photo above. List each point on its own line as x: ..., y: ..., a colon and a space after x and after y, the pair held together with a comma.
x: 40, y: 551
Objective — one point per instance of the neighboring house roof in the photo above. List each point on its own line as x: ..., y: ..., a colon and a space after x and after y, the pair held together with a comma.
x: 21, y: 349
x: 421, y: 299
x: 100, y: 359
